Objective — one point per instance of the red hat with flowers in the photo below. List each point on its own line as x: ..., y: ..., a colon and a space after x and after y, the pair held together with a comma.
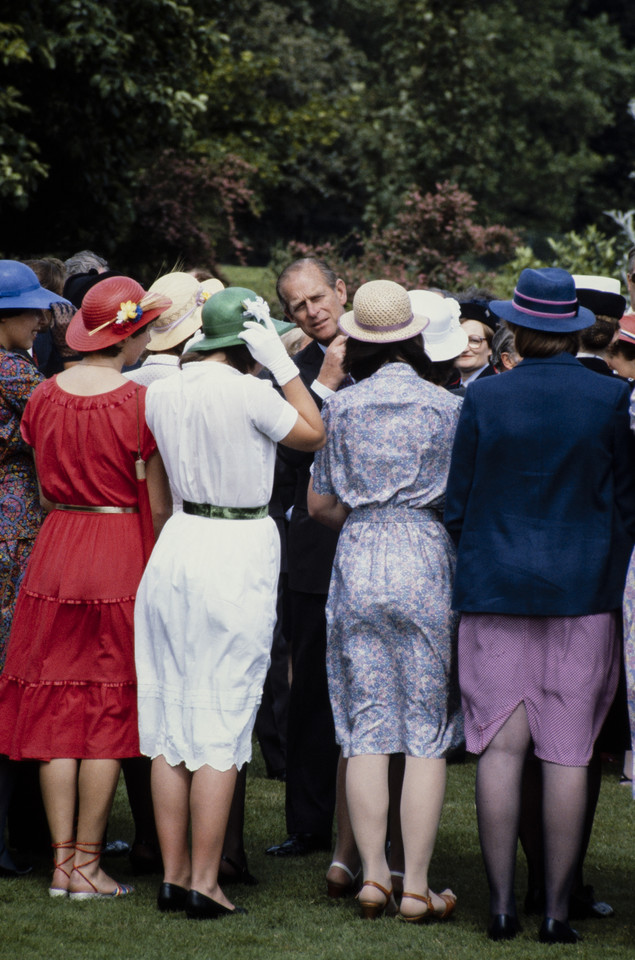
x: 111, y: 311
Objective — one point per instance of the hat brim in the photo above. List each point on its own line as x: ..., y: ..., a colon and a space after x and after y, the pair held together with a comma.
x: 233, y: 340
x: 448, y: 348
x: 39, y: 299
x: 78, y: 338
x: 348, y: 325
x: 602, y: 302
x: 506, y: 310
x: 159, y: 342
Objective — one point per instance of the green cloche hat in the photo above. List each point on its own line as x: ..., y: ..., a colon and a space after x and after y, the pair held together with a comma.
x: 224, y: 316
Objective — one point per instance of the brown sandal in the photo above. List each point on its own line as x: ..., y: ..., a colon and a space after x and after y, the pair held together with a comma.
x: 417, y: 917
x: 370, y: 908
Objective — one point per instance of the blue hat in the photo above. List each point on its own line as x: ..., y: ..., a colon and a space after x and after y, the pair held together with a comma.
x: 545, y: 300
x: 20, y: 288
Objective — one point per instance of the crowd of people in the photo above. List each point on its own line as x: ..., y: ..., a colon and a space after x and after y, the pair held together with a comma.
x: 421, y: 509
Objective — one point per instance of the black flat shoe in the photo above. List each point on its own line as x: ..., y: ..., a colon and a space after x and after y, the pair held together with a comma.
x: 235, y: 874
x: 171, y: 898
x: 554, y: 931
x: 299, y: 844
x: 200, y: 907
x: 503, y: 927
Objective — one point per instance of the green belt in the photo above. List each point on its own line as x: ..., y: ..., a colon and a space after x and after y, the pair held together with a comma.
x: 224, y: 513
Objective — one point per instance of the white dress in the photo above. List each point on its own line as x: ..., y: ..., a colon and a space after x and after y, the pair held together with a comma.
x: 205, y: 608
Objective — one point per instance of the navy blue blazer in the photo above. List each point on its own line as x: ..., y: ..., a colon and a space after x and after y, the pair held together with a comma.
x: 541, y: 491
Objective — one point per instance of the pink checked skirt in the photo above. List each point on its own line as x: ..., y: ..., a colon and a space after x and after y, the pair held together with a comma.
x: 564, y: 669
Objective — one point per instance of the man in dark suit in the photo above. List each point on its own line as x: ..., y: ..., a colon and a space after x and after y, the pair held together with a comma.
x: 313, y: 297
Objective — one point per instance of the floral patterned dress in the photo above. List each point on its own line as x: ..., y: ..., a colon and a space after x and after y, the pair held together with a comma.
x: 21, y: 515
x: 391, y: 655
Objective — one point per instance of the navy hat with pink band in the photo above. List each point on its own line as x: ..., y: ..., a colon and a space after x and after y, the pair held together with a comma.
x: 545, y: 300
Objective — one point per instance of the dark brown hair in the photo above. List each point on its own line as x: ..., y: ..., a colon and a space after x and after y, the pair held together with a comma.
x: 539, y: 343
x: 237, y: 357
x: 114, y: 349
x: 362, y: 359
x: 624, y: 349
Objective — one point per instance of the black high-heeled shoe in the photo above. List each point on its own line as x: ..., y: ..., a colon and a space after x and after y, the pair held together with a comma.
x: 555, y: 931
x: 503, y: 927
x: 200, y: 907
x: 171, y: 898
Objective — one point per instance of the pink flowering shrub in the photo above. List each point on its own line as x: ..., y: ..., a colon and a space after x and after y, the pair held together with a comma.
x: 433, y: 241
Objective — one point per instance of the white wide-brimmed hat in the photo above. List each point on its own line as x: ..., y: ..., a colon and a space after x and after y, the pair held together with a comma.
x: 382, y: 313
x: 183, y: 318
x: 444, y: 338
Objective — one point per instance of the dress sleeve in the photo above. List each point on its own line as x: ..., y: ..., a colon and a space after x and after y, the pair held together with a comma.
x: 322, y: 480
x: 270, y: 413
x: 148, y: 443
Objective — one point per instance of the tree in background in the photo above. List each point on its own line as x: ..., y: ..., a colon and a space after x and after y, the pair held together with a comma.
x: 335, y: 106
x: 100, y: 88
x: 434, y: 240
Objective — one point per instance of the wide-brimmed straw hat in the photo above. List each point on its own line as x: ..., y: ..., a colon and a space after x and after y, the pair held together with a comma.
x: 444, y: 337
x: 600, y: 294
x: 224, y: 316
x: 180, y: 321
x: 382, y: 313
x: 546, y: 300
x: 20, y: 288
x: 112, y: 310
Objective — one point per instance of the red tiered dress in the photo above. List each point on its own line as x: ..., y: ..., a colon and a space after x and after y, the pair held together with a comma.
x: 69, y: 684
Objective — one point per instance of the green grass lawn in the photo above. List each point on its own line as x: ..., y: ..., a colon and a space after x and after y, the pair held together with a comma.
x: 290, y: 915
x: 260, y: 279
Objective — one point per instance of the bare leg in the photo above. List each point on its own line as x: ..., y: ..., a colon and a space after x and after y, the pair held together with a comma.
x: 421, y: 803
x: 210, y: 799
x: 171, y: 797
x: 564, y: 805
x: 345, y: 850
x: 498, y: 790
x: 58, y: 780
x: 367, y: 791
x: 96, y: 787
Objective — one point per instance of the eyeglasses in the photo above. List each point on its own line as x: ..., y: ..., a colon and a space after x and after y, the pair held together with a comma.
x: 475, y: 341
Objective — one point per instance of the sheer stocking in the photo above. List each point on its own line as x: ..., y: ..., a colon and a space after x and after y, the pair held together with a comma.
x: 564, y: 802
x: 498, y: 789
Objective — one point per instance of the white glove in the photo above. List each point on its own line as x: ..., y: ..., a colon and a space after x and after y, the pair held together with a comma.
x: 265, y: 345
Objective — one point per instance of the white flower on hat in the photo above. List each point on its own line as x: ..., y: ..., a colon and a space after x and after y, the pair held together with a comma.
x: 258, y: 309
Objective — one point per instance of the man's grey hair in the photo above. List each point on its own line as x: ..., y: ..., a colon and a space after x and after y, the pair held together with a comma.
x: 83, y: 262
x: 502, y: 342
x: 329, y: 276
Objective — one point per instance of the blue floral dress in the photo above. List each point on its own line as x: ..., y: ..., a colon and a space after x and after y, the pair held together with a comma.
x: 391, y: 656
x: 21, y: 515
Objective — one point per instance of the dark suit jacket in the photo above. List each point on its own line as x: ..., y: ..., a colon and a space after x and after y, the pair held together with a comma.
x: 541, y: 492
x: 310, y: 545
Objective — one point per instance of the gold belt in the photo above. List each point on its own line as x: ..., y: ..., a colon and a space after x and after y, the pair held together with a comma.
x: 74, y: 508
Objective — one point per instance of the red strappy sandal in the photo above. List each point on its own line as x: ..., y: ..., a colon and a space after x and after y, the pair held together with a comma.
x: 121, y: 889
x: 59, y: 865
